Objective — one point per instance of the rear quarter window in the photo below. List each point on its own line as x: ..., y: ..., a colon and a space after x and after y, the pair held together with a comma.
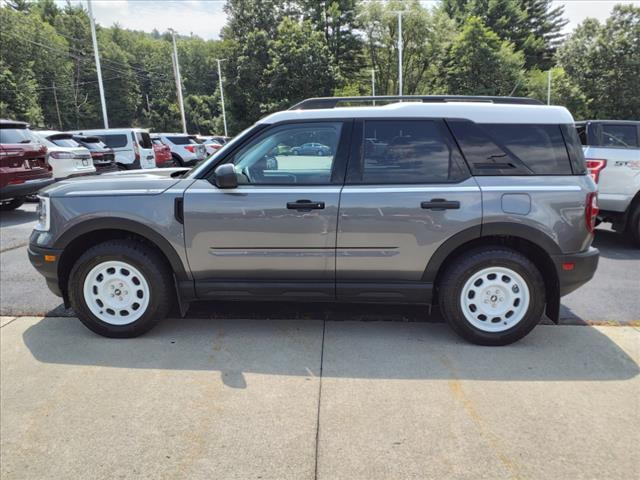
x: 114, y: 140
x: 513, y: 149
x: 180, y: 140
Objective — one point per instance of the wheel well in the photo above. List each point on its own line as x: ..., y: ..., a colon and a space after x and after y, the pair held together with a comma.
x: 81, y: 243
x: 540, y: 258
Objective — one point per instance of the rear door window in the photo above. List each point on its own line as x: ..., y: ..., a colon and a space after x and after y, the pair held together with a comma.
x: 114, y: 140
x: 407, y: 152
x: 622, y: 136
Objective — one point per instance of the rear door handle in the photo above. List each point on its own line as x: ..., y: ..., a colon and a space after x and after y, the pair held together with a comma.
x: 305, y: 205
x: 440, y: 204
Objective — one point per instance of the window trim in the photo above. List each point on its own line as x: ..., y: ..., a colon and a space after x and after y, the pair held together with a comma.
x: 355, y: 168
x: 338, y: 167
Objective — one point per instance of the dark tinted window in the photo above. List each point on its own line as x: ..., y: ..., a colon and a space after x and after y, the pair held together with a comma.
x: 574, y: 147
x: 15, y: 135
x: 92, y: 143
x: 114, y: 140
x: 513, y: 149
x: 144, y: 140
x: 539, y: 147
x: 408, y: 151
x: 625, y: 136
x: 176, y: 140
x: 582, y: 134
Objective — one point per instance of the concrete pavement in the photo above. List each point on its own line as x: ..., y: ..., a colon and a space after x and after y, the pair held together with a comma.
x: 298, y: 399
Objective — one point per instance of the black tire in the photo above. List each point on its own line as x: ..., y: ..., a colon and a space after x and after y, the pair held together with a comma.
x: 152, y: 266
x: 11, y: 204
x: 633, y: 226
x: 177, y: 161
x: 121, y: 167
x: 464, y: 267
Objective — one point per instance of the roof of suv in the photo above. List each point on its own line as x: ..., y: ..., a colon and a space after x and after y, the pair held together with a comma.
x: 479, y: 112
x: 610, y: 122
x: 4, y: 123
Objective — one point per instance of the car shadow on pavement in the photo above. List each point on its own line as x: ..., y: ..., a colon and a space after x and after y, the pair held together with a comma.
x: 17, y: 217
x: 616, y: 246
x: 347, y: 349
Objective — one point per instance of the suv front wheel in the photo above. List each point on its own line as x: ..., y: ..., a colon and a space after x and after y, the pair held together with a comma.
x: 492, y: 296
x: 120, y: 288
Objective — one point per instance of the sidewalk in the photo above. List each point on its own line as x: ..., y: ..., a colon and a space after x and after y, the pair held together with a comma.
x: 306, y: 399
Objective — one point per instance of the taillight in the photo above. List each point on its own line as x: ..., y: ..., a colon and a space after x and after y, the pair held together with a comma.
x: 591, y: 211
x: 136, y: 151
x: 595, y: 166
x: 190, y: 148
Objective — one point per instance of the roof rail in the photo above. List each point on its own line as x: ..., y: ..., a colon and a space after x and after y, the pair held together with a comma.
x: 332, y: 102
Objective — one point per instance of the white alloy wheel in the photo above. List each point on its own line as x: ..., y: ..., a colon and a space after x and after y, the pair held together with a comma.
x: 116, y: 292
x: 495, y: 299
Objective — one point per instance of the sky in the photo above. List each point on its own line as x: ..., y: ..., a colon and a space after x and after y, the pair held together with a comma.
x: 206, y: 18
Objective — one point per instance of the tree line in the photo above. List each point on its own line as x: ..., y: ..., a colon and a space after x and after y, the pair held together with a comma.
x: 279, y: 52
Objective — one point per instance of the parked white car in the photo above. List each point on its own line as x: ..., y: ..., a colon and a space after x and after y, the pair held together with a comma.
x: 209, y: 143
x: 185, y: 150
x: 132, y: 146
x: 612, y: 152
x: 66, y: 156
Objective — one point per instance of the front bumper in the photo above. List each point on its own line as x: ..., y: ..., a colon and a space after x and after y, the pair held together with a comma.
x: 576, y: 269
x: 30, y: 187
x: 48, y: 268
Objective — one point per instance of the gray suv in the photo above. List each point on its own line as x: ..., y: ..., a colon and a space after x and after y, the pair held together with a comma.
x: 481, y: 205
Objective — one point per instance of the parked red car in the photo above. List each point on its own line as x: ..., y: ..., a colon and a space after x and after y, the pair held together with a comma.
x: 162, y: 152
x: 23, y: 164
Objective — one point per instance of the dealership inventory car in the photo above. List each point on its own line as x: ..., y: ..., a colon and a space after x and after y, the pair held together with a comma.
x: 162, y: 152
x: 185, y: 149
x: 481, y: 205
x: 66, y: 156
x: 612, y: 152
x: 311, y: 149
x: 132, y: 146
x: 103, y: 157
x: 23, y: 164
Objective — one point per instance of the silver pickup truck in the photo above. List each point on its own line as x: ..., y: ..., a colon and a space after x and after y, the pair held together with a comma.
x: 612, y: 153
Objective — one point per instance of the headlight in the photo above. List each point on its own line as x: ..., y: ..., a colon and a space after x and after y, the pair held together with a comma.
x: 44, y: 214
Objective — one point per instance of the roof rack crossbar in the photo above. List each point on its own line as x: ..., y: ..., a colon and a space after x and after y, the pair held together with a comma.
x: 332, y: 102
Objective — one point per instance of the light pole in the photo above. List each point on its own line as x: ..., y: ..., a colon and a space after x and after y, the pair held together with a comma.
x: 224, y: 114
x: 549, y: 87
x: 98, y: 69
x: 399, y: 13
x: 176, y: 66
x: 373, y: 82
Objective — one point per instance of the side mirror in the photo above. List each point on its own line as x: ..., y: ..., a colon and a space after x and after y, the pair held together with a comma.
x: 225, y: 176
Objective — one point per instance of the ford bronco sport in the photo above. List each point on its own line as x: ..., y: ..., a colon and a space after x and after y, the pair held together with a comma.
x: 482, y: 205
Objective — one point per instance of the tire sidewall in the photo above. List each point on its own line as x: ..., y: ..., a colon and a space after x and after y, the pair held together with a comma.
x: 535, y: 284
x: 76, y: 294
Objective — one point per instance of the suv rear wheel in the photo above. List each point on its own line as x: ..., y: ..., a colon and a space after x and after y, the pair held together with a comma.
x: 120, y: 288
x: 492, y: 296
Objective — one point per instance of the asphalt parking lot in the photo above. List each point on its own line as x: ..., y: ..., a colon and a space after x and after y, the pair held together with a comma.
x: 273, y: 391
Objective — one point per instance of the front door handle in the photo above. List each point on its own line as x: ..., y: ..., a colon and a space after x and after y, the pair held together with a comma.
x: 305, y: 205
x: 440, y: 204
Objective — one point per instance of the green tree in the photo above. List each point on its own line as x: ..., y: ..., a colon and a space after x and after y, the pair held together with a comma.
x: 479, y: 63
x: 564, y: 91
x: 545, y: 23
x: 300, y: 65
x: 604, y: 61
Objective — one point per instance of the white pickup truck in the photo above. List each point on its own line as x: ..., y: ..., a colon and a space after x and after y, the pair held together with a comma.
x: 612, y: 152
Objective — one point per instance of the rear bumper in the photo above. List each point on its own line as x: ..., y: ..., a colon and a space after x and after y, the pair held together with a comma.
x: 29, y: 187
x: 574, y: 270
x: 48, y: 269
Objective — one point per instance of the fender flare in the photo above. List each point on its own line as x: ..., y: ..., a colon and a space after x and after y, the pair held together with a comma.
x: 126, y: 225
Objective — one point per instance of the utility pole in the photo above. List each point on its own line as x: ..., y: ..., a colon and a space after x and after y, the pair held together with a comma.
x: 224, y: 115
x: 148, y: 105
x: 400, y: 12
x: 549, y: 87
x: 55, y: 97
x: 176, y: 66
x: 373, y: 82
x: 98, y: 69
